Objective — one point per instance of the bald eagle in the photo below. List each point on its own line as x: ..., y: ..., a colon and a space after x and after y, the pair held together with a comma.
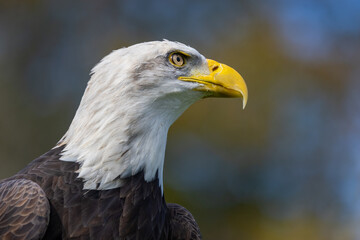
x: 104, y: 178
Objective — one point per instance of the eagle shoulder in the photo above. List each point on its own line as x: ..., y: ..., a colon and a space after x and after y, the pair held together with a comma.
x: 182, y: 223
x: 24, y: 210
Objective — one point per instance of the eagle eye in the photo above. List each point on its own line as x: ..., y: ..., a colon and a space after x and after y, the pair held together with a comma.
x: 177, y: 59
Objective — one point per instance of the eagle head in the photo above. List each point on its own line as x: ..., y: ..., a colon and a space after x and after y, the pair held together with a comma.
x: 133, y: 96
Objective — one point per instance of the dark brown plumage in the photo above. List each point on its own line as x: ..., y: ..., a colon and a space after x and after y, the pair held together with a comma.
x: 182, y: 223
x: 46, y: 200
x: 24, y: 210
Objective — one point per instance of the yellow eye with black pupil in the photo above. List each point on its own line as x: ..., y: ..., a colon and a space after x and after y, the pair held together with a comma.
x: 177, y: 59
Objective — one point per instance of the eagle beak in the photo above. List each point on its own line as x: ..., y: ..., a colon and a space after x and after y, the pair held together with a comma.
x: 222, y: 81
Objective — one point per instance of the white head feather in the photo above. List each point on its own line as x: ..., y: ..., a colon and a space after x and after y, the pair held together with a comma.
x: 121, y: 125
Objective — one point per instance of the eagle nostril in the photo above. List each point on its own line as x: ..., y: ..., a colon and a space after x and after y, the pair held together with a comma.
x: 215, y: 68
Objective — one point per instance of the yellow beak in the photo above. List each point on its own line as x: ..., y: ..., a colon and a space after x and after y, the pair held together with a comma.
x: 223, y: 81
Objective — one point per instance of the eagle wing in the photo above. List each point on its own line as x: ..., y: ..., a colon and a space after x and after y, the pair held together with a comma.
x: 182, y: 223
x: 24, y: 210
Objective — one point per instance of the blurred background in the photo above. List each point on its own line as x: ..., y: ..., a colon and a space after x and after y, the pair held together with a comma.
x: 287, y: 167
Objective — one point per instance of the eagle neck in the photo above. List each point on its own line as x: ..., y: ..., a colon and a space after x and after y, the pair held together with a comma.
x: 113, y: 145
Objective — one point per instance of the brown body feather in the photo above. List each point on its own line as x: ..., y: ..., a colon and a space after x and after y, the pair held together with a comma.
x: 46, y: 200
